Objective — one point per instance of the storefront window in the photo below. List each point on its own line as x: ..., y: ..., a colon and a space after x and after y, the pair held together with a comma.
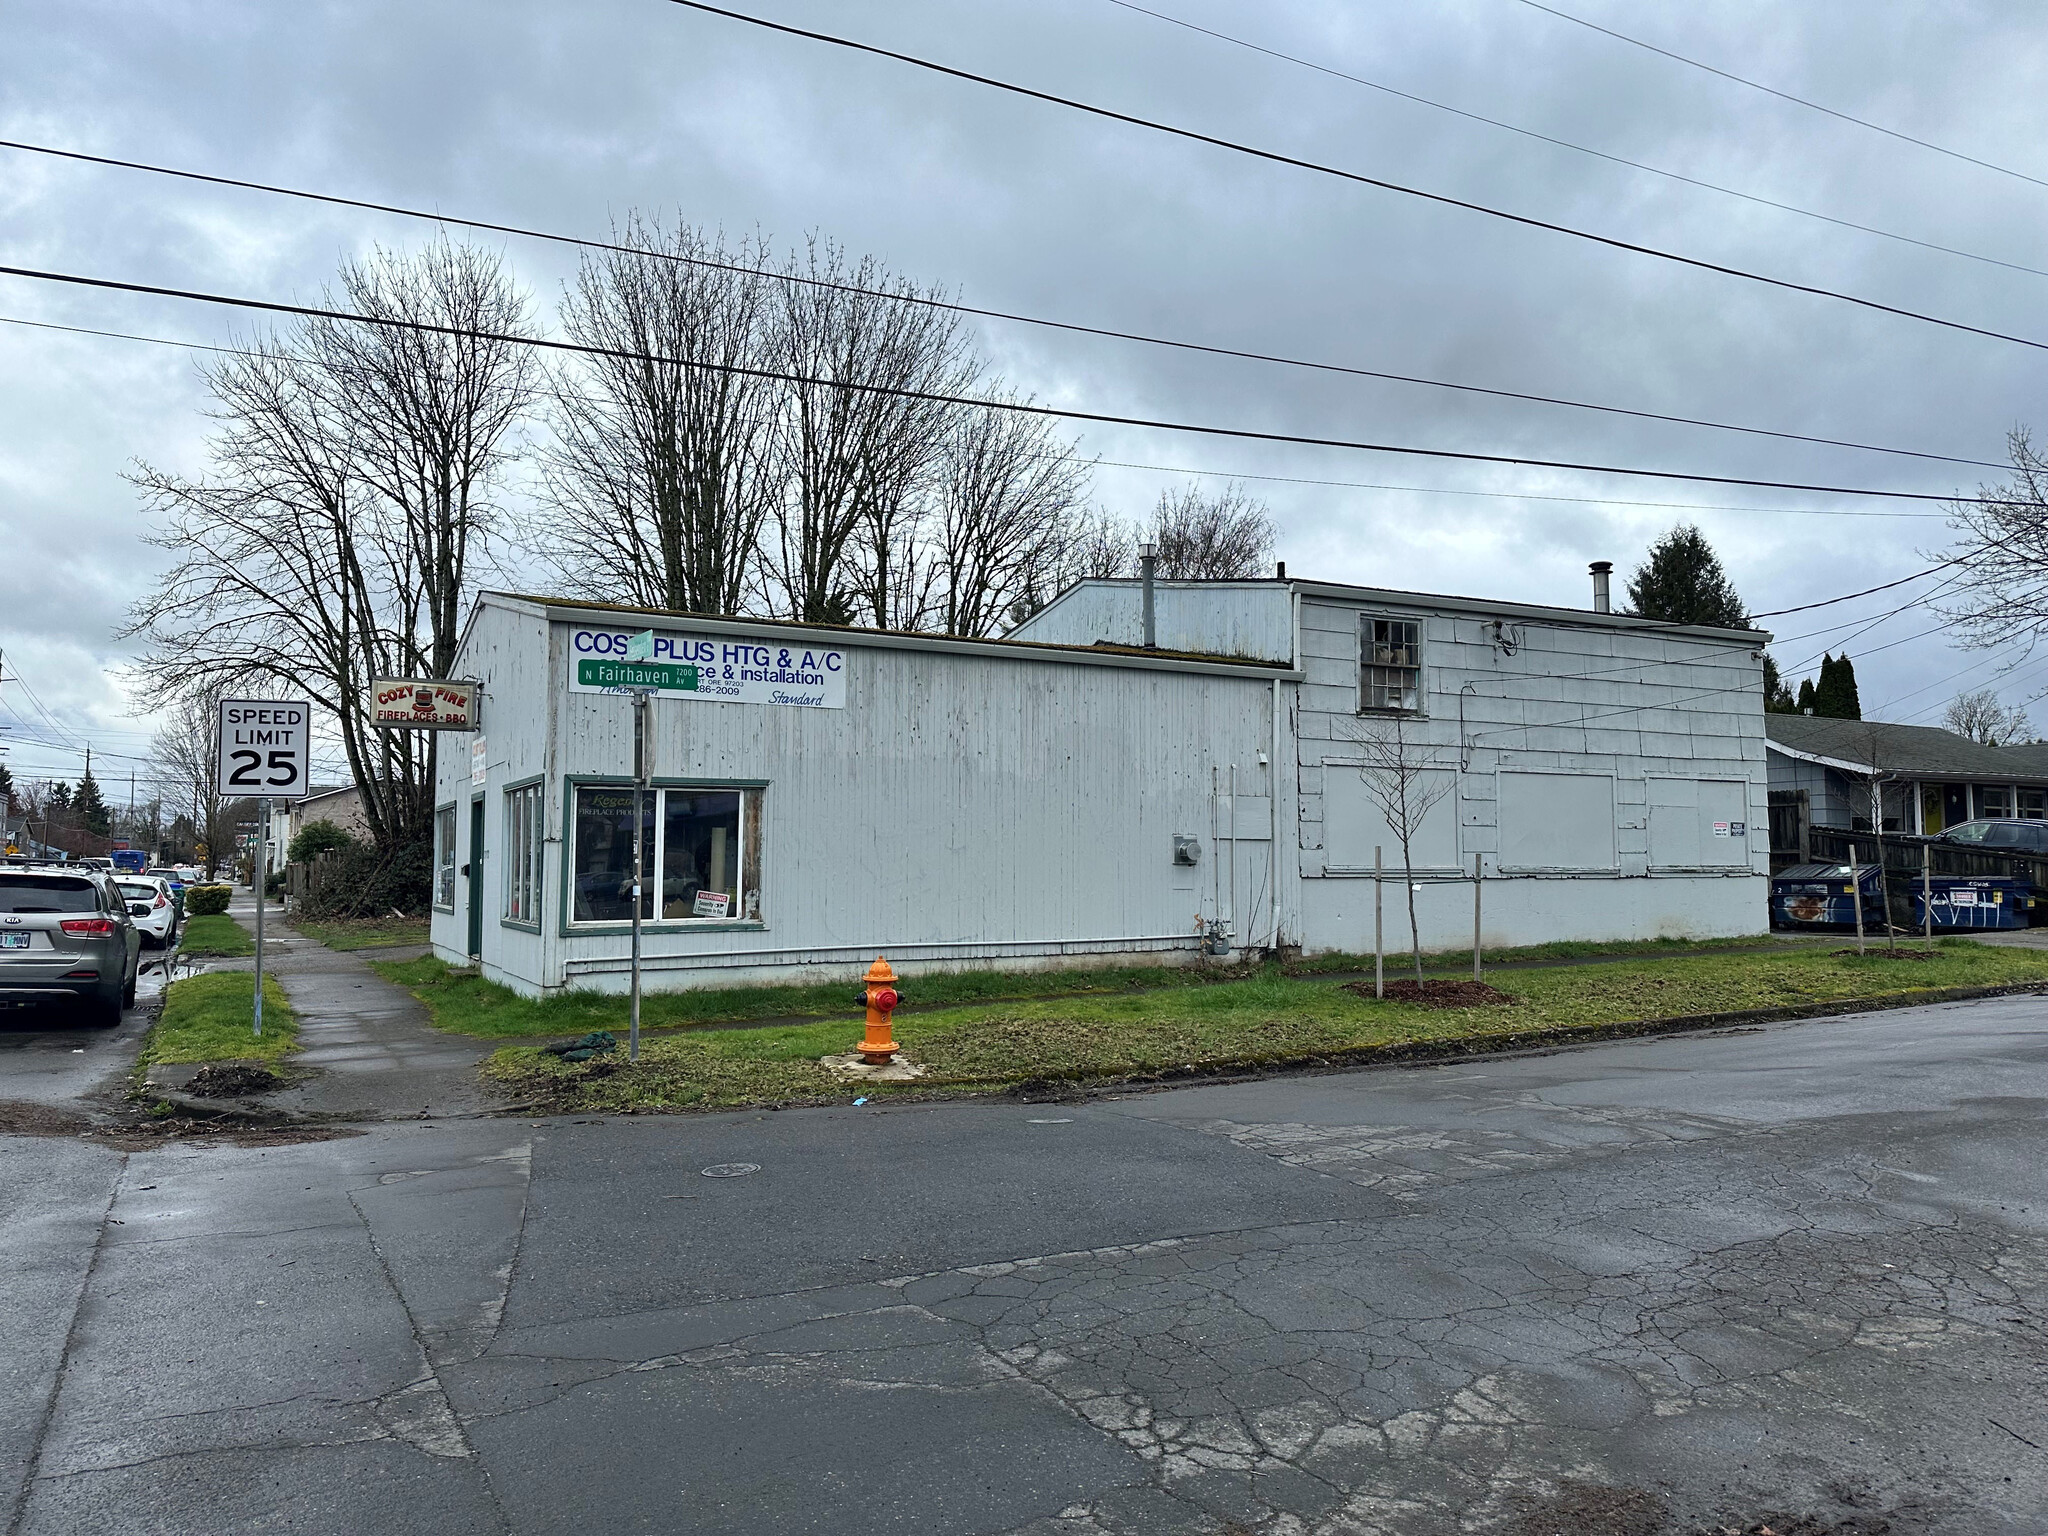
x: 444, y: 857
x: 700, y: 859
x: 524, y: 841
x: 695, y: 855
x: 603, y: 869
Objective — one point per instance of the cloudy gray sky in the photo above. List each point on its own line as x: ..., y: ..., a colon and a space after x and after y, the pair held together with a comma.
x: 565, y: 116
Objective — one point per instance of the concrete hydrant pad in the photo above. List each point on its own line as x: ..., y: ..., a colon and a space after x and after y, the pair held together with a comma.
x: 851, y: 1066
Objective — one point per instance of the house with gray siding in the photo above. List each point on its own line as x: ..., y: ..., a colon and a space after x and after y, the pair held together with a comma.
x: 1822, y: 771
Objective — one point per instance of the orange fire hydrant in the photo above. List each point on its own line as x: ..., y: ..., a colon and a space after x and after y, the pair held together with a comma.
x: 881, y: 998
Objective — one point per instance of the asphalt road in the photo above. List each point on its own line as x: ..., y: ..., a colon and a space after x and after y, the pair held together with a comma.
x: 1666, y: 1286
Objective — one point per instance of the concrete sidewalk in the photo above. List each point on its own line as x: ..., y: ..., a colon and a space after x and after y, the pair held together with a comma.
x: 369, y: 1047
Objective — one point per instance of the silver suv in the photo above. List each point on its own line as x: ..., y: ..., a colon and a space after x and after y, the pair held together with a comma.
x: 65, y: 933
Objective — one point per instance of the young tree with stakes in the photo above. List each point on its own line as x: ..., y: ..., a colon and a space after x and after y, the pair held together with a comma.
x: 1405, y: 784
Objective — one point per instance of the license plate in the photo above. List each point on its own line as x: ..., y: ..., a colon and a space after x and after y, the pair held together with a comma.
x: 13, y: 941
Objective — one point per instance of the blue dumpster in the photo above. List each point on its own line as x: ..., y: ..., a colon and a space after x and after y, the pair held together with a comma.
x: 1819, y: 896
x: 1964, y: 902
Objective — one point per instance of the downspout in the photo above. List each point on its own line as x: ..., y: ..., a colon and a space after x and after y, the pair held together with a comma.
x: 1273, y: 828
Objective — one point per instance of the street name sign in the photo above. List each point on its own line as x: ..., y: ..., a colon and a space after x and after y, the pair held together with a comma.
x: 722, y: 668
x: 423, y: 704
x: 265, y: 748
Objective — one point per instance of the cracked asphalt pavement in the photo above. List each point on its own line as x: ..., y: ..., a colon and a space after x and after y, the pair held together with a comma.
x: 1687, y: 1285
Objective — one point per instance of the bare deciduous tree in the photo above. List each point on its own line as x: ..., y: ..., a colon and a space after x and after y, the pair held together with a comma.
x: 1007, y: 496
x: 331, y: 541
x: 1982, y: 718
x: 854, y: 458
x: 1404, y: 783
x: 185, y: 769
x: 1225, y: 536
x: 663, y: 471
x: 2003, y: 547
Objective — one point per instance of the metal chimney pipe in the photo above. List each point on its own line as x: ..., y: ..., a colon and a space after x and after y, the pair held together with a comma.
x: 1600, y: 569
x: 1148, y: 567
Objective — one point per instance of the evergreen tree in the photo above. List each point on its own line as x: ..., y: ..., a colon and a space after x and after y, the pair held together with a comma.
x: 6, y: 791
x: 1777, y: 697
x: 1806, y: 697
x: 60, y: 796
x: 92, y: 807
x: 1682, y: 582
x: 1836, y: 695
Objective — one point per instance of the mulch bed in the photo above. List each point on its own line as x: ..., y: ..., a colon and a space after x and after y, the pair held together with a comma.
x: 1876, y: 953
x: 1435, y: 992
x: 232, y: 1080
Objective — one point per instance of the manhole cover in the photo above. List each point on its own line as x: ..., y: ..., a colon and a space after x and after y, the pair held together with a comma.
x: 730, y: 1170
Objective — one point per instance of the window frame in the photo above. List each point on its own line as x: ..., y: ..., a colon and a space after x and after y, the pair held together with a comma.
x: 1999, y: 794
x: 525, y: 853
x: 444, y: 855
x: 1368, y: 641
x: 752, y: 840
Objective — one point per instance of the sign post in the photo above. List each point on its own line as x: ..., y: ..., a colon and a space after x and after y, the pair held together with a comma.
x: 264, y: 749
x: 643, y: 752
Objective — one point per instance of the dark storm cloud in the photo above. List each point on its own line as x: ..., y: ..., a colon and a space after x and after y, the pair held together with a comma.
x: 566, y: 116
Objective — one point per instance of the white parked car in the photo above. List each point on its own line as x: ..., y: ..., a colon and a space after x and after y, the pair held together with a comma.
x: 153, y: 906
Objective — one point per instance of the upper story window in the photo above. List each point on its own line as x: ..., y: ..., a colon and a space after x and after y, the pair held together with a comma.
x: 1390, y: 665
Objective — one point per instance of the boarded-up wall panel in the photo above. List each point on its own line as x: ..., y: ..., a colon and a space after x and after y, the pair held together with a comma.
x: 1559, y: 821
x: 1353, y: 824
x: 1693, y: 822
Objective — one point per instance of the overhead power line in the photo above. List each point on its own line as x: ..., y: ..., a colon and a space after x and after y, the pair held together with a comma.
x: 1867, y: 591
x: 1598, y: 154
x: 1275, y: 157
x: 1065, y: 413
x: 1163, y: 469
x: 926, y: 301
x: 1768, y: 90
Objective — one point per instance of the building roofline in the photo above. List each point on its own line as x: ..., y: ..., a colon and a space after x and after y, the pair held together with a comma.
x: 1480, y: 606
x: 843, y: 636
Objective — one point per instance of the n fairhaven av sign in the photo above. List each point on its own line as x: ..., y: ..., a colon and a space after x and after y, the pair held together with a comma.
x: 727, y: 669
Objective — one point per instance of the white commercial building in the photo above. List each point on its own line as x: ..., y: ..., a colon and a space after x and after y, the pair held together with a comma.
x: 1069, y: 796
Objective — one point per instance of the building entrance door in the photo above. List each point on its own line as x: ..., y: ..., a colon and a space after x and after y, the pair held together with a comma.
x: 1955, y: 804
x: 476, y: 878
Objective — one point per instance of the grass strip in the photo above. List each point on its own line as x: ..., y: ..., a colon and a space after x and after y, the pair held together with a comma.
x: 211, y: 1017
x: 1266, y: 1020
x: 216, y: 935
x: 1436, y: 962
x: 365, y: 933
x: 464, y: 1003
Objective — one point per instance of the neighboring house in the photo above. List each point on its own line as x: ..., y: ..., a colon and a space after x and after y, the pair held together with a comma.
x: 1821, y: 771
x: 343, y: 807
x: 1067, y: 795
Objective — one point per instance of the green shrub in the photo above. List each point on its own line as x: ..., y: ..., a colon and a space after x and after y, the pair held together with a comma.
x: 207, y: 900
x: 316, y: 838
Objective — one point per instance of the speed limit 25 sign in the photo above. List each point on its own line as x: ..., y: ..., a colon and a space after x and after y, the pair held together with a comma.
x: 265, y: 747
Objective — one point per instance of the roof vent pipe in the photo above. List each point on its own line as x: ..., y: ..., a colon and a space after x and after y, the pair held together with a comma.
x: 1600, y: 569
x: 1148, y: 566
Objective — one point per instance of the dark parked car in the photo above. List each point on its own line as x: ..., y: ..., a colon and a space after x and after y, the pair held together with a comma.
x: 67, y: 933
x: 2023, y: 837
